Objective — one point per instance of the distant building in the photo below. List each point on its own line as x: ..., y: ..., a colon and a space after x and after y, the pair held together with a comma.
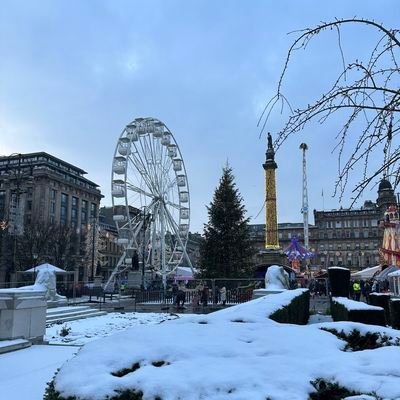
x: 40, y: 188
x: 344, y: 237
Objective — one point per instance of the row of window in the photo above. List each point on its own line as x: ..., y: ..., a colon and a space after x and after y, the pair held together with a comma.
x: 365, y: 234
x: 350, y: 223
x: 354, y: 246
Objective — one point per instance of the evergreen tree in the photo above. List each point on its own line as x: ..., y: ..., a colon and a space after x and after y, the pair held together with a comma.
x: 226, y: 250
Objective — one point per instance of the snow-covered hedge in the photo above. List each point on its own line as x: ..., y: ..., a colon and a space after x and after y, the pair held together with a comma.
x: 381, y: 300
x: 395, y: 313
x: 296, y: 312
x: 339, y: 280
x: 237, y: 353
x: 344, y: 309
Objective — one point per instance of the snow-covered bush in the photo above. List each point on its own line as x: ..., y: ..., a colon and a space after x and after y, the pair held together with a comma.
x: 344, y: 309
x: 339, y: 281
x: 395, y: 313
x: 296, y: 312
x: 381, y: 300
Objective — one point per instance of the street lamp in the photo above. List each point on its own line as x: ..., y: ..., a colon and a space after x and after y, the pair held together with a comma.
x: 143, y: 245
x: 35, y: 256
x: 93, y: 247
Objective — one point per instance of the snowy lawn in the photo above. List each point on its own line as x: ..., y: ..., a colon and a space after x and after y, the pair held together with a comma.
x: 24, y: 373
x: 237, y: 353
x: 85, y: 330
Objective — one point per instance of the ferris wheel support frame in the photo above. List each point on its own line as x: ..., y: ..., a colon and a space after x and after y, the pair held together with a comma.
x: 154, y: 160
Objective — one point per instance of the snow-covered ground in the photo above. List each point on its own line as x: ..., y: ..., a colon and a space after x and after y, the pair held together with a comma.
x: 85, y: 330
x: 237, y: 353
x: 25, y: 373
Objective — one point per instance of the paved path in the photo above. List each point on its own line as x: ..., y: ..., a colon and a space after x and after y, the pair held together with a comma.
x: 320, y: 304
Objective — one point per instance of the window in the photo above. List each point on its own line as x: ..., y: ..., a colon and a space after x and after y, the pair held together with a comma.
x: 53, y: 194
x: 93, y: 210
x: 338, y: 224
x: 84, y: 212
x: 64, y: 209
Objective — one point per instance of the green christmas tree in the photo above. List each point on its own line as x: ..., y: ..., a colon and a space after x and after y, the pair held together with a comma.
x: 226, y: 250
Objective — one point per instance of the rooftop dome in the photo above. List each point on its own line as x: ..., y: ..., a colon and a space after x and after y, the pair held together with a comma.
x: 385, y: 184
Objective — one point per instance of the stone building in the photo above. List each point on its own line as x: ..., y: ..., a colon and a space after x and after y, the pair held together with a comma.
x: 346, y: 237
x: 38, y: 188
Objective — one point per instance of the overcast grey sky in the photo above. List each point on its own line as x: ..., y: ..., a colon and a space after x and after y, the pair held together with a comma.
x: 73, y: 73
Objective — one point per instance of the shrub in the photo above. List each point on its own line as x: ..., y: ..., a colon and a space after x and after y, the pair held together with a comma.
x: 358, y: 342
x: 394, y: 306
x: 367, y: 316
x: 339, y: 280
x: 329, y: 391
x: 381, y: 300
x: 64, y: 331
x: 52, y: 394
x: 297, y: 312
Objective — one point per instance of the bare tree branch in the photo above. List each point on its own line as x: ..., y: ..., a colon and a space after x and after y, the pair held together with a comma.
x: 368, y: 92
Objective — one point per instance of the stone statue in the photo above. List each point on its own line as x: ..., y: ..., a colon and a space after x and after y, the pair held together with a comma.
x: 45, y: 281
x: 269, y: 141
x: 276, y: 278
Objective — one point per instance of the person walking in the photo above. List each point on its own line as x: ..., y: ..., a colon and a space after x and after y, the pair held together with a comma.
x: 217, y: 295
x: 175, y: 294
x: 366, y: 291
x: 356, y: 291
x: 223, y: 295
x: 204, y: 296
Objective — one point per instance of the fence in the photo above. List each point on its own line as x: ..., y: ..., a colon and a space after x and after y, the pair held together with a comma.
x: 237, y: 290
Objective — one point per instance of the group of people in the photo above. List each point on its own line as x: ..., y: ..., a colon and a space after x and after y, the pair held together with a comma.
x: 318, y: 287
x: 364, y: 288
x: 202, y: 295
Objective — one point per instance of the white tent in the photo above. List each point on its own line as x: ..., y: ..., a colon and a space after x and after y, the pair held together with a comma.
x: 184, y: 273
x: 366, y: 273
x: 48, y: 267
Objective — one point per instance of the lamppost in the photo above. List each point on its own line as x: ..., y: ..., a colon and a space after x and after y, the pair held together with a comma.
x: 93, y: 239
x: 143, y: 245
x: 35, y: 256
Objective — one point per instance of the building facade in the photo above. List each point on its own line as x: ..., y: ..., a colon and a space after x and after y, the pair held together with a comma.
x: 38, y: 189
x: 343, y: 237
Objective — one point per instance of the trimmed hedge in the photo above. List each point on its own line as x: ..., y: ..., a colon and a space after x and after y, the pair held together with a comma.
x: 394, y: 306
x: 52, y: 394
x: 339, y: 280
x: 297, y: 312
x: 381, y: 300
x: 370, y: 317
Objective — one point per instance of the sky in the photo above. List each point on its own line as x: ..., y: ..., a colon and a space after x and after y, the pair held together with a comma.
x: 73, y: 74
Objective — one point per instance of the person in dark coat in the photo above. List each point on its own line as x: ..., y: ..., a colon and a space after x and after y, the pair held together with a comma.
x: 181, y: 297
x: 366, y: 291
x: 204, y: 296
x: 175, y: 294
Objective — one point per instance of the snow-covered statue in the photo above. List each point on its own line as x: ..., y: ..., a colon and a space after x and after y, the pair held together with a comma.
x: 276, y: 278
x: 46, y: 281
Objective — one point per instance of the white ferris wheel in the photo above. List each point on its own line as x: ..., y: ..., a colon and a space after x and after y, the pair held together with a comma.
x: 150, y: 197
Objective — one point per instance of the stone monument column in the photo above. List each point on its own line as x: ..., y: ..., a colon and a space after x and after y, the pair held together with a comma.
x: 271, y: 219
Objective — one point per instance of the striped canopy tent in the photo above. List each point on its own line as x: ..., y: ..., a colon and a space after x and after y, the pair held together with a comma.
x: 296, y: 252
